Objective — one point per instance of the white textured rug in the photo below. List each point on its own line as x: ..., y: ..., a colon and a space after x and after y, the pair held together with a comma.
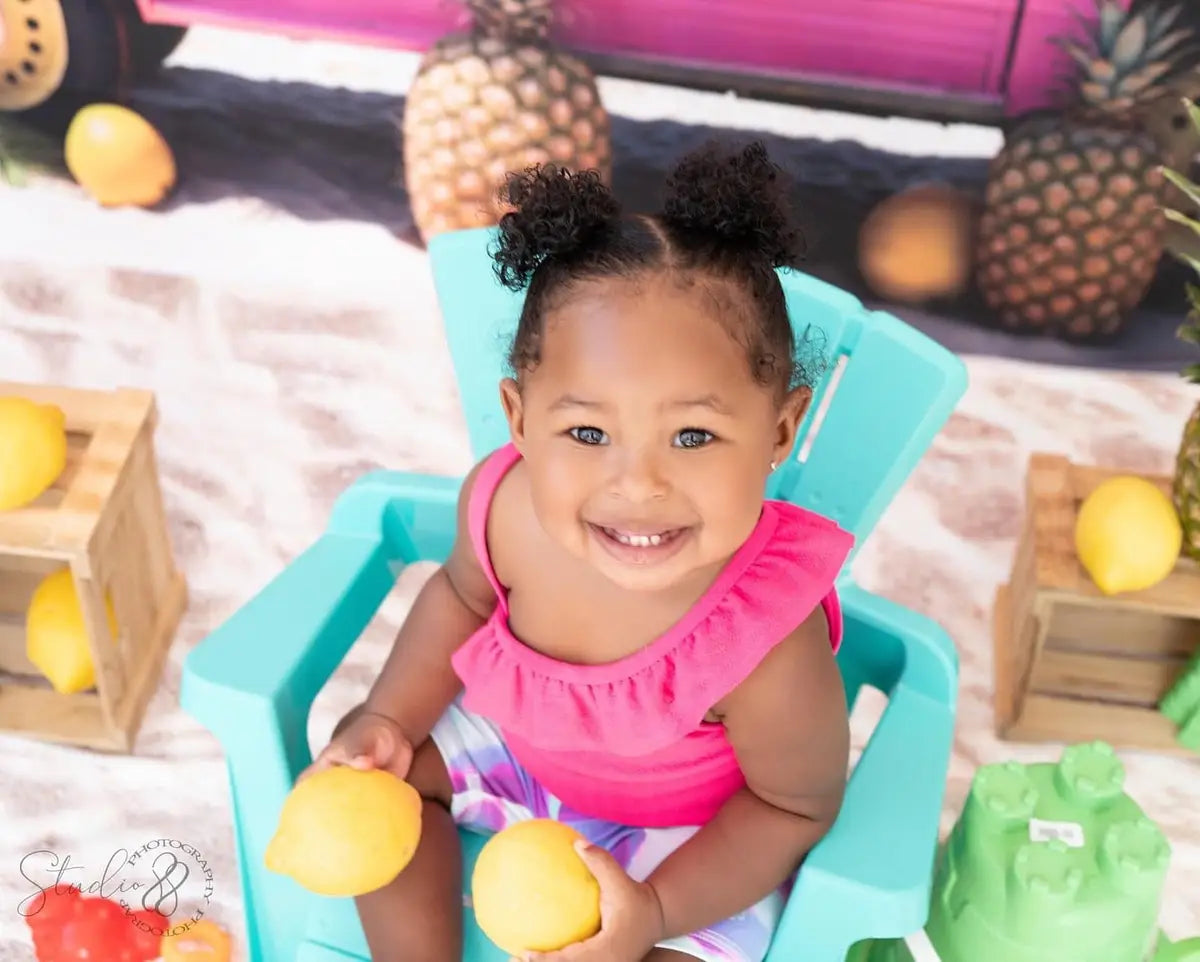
x: 289, y: 355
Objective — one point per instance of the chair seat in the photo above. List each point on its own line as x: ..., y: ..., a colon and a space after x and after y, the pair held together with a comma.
x: 335, y: 933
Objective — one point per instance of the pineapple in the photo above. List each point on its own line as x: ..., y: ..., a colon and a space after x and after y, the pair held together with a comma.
x: 1072, y: 229
x: 495, y: 99
x: 1187, y: 464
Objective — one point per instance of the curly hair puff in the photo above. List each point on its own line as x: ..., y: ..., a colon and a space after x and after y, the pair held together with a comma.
x: 724, y: 220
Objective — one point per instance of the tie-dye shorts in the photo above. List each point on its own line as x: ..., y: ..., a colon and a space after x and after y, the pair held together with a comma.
x: 492, y: 791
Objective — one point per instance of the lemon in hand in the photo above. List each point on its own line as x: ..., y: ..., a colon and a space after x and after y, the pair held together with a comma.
x: 346, y: 832
x: 531, y: 891
x: 33, y: 450
x: 56, y: 636
x: 1128, y: 535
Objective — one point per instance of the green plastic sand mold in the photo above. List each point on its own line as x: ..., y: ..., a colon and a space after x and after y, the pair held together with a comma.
x: 1048, y: 862
x: 1182, y: 706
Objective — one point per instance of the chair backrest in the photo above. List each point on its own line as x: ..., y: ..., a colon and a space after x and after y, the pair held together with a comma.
x: 887, y: 391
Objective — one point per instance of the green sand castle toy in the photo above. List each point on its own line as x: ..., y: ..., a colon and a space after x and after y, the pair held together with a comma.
x: 1049, y: 862
x: 1182, y: 705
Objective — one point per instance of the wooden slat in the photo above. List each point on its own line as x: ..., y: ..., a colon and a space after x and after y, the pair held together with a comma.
x: 1118, y: 630
x: 1133, y: 681
x: 1004, y: 658
x: 1046, y: 718
x: 149, y: 509
x: 1049, y: 500
x: 145, y: 673
x: 1178, y: 594
x: 43, y: 713
x: 129, y: 486
x: 45, y: 532
x: 86, y: 409
x: 106, y: 460
x: 106, y: 656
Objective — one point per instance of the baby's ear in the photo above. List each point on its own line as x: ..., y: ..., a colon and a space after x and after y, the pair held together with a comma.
x: 791, y: 413
x: 514, y: 410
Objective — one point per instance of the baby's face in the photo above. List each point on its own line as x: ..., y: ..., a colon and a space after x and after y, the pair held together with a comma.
x: 647, y: 441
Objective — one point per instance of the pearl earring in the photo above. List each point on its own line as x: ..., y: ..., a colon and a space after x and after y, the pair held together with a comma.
x: 772, y: 465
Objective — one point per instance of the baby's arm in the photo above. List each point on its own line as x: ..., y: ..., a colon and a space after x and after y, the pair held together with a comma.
x: 417, y: 682
x: 788, y: 726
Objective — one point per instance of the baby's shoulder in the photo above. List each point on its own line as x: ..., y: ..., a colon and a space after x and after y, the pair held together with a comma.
x: 512, y: 527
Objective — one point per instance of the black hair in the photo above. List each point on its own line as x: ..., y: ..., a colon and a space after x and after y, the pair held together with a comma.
x: 724, y: 222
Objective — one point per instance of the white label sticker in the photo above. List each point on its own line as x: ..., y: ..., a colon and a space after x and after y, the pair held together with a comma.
x: 1069, y: 833
x: 920, y: 948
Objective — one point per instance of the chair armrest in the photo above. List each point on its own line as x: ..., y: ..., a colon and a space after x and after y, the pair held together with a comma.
x: 253, y: 680
x: 286, y: 641
x: 870, y: 877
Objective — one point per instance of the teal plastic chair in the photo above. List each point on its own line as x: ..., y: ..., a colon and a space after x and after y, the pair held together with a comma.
x: 253, y: 681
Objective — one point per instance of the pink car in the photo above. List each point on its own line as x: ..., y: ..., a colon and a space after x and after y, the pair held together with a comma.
x: 977, y: 60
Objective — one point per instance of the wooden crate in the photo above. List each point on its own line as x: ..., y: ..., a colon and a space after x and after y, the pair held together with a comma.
x: 1072, y: 663
x: 104, y: 519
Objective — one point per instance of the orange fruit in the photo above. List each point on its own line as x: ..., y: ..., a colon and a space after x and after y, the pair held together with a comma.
x: 915, y: 246
x: 118, y: 157
x: 204, y: 941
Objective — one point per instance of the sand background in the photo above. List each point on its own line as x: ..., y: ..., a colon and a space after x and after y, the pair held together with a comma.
x: 286, y: 320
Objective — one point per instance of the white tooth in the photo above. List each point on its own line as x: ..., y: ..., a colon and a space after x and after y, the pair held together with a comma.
x: 636, y: 540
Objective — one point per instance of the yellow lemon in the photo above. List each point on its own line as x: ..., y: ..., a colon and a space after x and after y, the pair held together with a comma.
x: 33, y: 450
x: 531, y: 891
x: 118, y: 156
x: 56, y: 637
x: 1128, y: 535
x: 346, y: 832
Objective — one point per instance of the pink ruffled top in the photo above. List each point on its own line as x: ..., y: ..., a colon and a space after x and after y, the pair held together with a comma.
x: 626, y: 741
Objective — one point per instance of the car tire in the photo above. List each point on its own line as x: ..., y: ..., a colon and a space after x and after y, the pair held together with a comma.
x: 108, y: 49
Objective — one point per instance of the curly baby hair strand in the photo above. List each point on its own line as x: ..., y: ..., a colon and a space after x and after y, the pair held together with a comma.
x: 735, y: 199
x: 724, y: 225
x: 556, y: 213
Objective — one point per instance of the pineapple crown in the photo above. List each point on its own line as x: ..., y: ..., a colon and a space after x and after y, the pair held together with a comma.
x: 1190, y: 329
x: 25, y: 149
x: 724, y: 218
x: 1130, y: 55
x: 514, y: 20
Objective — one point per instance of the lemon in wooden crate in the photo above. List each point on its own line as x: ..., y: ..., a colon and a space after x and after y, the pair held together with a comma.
x: 56, y: 636
x: 531, y: 891
x: 33, y: 450
x: 345, y: 832
x: 1127, y: 536
x: 118, y: 157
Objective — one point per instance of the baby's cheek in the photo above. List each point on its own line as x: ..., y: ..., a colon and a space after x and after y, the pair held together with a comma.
x: 560, y: 515
x: 737, y: 513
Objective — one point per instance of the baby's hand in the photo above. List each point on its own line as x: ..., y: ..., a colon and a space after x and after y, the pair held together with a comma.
x: 371, y: 740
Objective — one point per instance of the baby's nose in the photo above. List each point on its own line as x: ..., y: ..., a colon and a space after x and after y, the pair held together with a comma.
x: 639, y: 477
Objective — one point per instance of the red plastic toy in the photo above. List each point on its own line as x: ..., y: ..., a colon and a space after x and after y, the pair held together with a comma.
x: 71, y: 927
